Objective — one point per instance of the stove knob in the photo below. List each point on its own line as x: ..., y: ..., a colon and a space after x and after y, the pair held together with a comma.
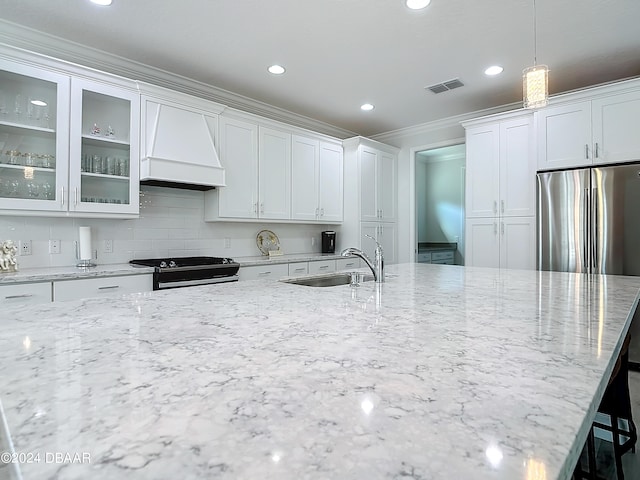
x: 172, y: 264
x: 163, y: 264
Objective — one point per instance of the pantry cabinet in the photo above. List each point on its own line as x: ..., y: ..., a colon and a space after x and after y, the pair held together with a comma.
x: 69, y: 144
x: 589, y: 132
x: 378, y: 185
x: 383, y: 233
x: 500, y: 195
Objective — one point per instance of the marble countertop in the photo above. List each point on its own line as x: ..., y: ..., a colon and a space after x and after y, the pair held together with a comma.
x: 442, y: 372
x: 48, y: 274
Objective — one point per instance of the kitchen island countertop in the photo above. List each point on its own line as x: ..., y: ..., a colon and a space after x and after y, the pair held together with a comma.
x: 443, y: 372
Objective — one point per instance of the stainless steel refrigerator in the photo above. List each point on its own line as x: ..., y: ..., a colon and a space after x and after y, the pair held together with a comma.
x: 589, y: 221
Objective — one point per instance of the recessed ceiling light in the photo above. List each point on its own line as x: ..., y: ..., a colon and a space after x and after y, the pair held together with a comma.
x: 417, y: 4
x: 367, y: 107
x: 39, y: 103
x: 494, y: 70
x: 276, y: 69
x: 102, y: 2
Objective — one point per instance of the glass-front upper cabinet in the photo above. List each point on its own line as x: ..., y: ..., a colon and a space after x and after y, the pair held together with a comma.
x: 104, y: 152
x: 34, y: 138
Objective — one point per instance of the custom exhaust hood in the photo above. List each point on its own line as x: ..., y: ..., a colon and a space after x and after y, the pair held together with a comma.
x: 178, y: 148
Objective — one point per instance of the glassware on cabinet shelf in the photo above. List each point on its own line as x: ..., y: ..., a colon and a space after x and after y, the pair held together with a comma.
x: 96, y: 164
x: 95, y: 130
x: 18, y: 106
x: 4, y: 110
x: 14, y: 157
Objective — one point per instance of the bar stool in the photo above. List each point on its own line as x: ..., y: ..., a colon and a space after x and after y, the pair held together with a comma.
x: 616, y: 403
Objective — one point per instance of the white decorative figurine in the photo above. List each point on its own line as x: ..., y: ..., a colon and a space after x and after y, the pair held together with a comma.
x: 8, y: 252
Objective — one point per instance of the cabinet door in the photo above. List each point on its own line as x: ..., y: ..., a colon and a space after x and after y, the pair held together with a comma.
x: 616, y: 136
x: 367, y: 245
x: 239, y: 157
x: 518, y: 243
x: 34, y: 139
x: 387, y: 187
x: 517, y: 168
x: 482, y: 243
x: 564, y: 136
x: 25, y: 294
x: 104, y: 150
x: 351, y: 263
x: 331, y: 182
x: 274, y: 174
x: 298, y: 268
x: 387, y: 238
x: 304, y: 178
x: 369, y: 210
x: 482, y: 171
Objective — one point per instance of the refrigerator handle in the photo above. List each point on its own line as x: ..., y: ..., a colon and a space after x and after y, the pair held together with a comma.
x: 585, y: 223
x: 594, y: 232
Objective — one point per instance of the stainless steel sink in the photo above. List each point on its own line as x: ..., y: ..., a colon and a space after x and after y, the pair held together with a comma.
x: 328, y: 280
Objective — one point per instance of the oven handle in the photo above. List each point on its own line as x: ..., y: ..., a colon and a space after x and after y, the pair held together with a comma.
x: 193, y: 283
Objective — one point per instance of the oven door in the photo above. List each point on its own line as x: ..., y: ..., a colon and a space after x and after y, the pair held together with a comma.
x: 190, y: 276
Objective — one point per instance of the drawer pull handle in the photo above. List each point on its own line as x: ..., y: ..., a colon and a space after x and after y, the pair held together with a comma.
x: 301, y: 269
x: 110, y: 287
x: 264, y: 273
x: 322, y: 267
x: 24, y: 295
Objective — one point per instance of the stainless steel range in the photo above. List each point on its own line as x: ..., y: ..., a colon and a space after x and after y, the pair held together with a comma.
x: 190, y: 271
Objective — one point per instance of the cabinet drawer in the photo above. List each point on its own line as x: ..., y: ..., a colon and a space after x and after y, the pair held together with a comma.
x: 25, y: 294
x: 348, y: 263
x: 99, y: 287
x: 439, y: 256
x: 264, y: 271
x: 300, y: 268
x: 424, y: 257
x: 323, y: 266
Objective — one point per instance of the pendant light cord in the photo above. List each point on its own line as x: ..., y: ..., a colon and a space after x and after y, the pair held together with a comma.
x: 535, y: 36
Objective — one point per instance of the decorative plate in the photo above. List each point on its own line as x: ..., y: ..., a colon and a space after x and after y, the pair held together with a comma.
x: 267, y: 241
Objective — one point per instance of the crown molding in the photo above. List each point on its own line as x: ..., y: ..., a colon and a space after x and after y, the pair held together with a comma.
x: 31, y: 40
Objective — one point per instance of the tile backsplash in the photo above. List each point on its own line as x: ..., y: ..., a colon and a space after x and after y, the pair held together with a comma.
x: 170, y: 224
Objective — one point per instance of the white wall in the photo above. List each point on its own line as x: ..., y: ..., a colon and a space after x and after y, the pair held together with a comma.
x: 170, y: 224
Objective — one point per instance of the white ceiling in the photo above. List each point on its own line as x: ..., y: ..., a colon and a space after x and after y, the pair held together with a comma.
x: 342, y: 53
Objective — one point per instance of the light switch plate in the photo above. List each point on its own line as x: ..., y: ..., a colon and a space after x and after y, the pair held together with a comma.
x: 54, y: 246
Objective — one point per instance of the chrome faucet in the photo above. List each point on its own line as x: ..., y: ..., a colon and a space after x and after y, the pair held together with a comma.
x: 378, y: 267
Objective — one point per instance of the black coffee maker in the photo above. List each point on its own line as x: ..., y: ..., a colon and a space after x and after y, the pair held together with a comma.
x: 328, y: 241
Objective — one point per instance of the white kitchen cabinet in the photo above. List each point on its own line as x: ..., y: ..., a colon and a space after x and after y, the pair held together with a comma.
x: 348, y: 263
x: 271, y: 271
x: 500, y: 169
x: 298, y: 268
x: 384, y: 234
x: 25, y: 294
x: 331, y: 183
x: 104, y: 149
x: 65, y: 290
x: 34, y: 139
x: 377, y: 185
x: 274, y: 174
x: 239, y: 156
x: 507, y: 242
x: 591, y: 132
x: 322, y: 266
x: 70, y: 144
x: 316, y: 180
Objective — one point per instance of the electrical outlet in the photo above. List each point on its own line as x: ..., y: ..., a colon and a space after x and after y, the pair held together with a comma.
x: 108, y: 246
x: 25, y: 247
x: 227, y: 242
x: 54, y: 246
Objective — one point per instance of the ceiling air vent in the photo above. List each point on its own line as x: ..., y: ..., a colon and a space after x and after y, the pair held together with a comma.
x: 445, y: 86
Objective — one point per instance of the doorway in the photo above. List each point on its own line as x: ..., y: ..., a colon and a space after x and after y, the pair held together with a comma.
x: 439, y: 187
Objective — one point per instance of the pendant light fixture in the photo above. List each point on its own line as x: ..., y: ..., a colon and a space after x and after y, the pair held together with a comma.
x: 535, y: 80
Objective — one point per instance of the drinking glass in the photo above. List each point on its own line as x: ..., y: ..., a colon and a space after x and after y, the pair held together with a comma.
x: 96, y: 164
x: 18, y: 106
